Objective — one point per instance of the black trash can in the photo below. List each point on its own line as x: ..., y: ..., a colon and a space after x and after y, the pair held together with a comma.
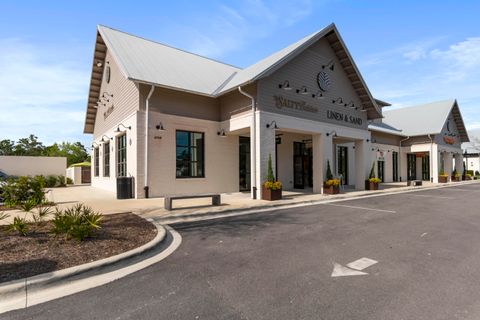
x: 124, y: 187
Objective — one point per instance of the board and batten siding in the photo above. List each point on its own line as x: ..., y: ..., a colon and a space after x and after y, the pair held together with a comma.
x: 234, y: 104
x: 385, y: 138
x: 303, y: 71
x: 125, y: 99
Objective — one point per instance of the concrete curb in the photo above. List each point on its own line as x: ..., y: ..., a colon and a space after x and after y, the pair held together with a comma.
x: 14, y: 294
x: 201, y: 216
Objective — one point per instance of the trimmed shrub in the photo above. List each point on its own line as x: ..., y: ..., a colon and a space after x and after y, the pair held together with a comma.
x: 69, y: 181
x: 22, y: 189
x: 51, y: 181
x: 78, y: 222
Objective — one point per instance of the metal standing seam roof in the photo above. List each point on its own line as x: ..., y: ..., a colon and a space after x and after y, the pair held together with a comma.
x: 154, y: 63
x: 426, y: 118
x: 383, y: 127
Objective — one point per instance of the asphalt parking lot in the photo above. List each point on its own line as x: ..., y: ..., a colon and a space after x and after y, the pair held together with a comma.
x: 423, y: 248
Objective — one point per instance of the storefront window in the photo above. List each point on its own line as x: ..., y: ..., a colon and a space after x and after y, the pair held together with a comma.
x: 96, y: 162
x: 190, y: 154
x: 106, y: 159
x: 122, y: 156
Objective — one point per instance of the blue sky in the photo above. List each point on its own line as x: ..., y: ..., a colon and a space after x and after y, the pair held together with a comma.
x: 409, y: 52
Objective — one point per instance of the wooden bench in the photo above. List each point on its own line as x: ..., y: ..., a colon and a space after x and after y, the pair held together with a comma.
x: 414, y: 183
x: 216, y: 201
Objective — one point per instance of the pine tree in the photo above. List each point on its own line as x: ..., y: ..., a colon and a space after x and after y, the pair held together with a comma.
x: 270, y: 176
x: 329, y: 171
x: 372, y: 171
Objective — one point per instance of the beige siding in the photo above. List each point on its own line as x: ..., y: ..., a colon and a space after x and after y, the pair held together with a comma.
x: 125, y: 99
x: 179, y: 103
x: 234, y: 104
x: 385, y: 138
x: 439, y: 139
x: 303, y: 71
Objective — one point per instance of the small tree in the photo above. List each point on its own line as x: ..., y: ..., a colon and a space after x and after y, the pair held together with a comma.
x: 270, y: 176
x: 372, y: 171
x: 329, y: 171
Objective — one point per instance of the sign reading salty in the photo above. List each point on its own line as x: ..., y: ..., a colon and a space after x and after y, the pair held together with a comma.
x: 281, y: 102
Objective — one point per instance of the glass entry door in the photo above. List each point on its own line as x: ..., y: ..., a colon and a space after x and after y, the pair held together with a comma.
x: 411, y: 166
x: 381, y: 170
x: 342, y: 163
x: 302, y: 166
x: 244, y: 169
x: 426, y: 168
x: 395, y: 165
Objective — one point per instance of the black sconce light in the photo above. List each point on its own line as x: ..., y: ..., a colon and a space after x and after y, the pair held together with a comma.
x: 105, y: 136
x: 330, y: 65
x: 106, y: 94
x: 373, y: 149
x: 221, y: 133
x: 160, y: 127
x: 351, y: 105
x: 285, y: 85
x: 121, y: 124
x: 273, y: 123
x: 318, y: 95
x: 302, y: 90
x: 339, y: 100
x: 368, y: 140
x: 331, y: 132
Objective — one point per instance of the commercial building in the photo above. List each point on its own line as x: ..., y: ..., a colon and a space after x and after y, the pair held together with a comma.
x: 180, y: 123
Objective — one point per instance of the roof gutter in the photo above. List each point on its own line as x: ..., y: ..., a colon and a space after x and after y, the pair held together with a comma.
x: 253, y: 147
x: 147, y: 121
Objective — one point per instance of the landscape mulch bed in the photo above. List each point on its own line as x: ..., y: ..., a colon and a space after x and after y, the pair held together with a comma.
x: 41, y: 252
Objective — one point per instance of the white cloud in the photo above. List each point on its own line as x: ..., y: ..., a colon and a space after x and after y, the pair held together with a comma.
x: 41, y: 93
x: 231, y: 28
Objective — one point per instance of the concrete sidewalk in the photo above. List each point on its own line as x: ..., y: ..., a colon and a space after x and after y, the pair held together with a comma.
x: 106, y: 202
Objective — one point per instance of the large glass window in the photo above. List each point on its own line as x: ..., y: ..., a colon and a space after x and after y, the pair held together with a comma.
x: 122, y: 156
x: 96, y: 163
x: 106, y: 159
x: 190, y: 154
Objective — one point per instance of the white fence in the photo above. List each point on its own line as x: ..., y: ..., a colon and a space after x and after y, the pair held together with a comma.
x: 31, y: 166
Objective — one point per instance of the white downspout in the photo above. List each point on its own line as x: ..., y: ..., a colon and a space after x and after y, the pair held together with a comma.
x: 253, y: 147
x: 400, y: 158
x: 147, y: 121
x: 431, y: 157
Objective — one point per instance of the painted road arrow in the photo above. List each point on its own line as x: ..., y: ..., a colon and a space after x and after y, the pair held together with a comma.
x: 353, y: 268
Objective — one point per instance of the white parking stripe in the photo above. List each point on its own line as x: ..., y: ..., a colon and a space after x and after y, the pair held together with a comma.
x: 427, y: 196
x: 460, y: 189
x: 361, y: 208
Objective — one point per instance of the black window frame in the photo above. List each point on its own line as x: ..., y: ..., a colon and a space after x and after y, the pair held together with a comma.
x: 96, y: 162
x: 121, y: 165
x: 106, y: 159
x: 190, y: 147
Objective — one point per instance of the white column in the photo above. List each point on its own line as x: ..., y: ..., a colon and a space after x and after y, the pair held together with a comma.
x: 322, y: 153
x: 448, y: 159
x: 265, y: 146
x: 363, y: 162
x: 459, y: 163
x: 434, y: 164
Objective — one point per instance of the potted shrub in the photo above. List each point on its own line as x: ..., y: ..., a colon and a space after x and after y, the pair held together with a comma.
x: 271, y: 189
x: 443, y: 177
x: 456, y: 176
x: 331, y: 185
x: 372, y: 182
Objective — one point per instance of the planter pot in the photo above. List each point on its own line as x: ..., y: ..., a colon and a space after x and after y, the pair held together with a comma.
x: 371, y: 185
x: 271, y: 195
x: 331, y: 189
x: 456, y: 179
x: 442, y: 179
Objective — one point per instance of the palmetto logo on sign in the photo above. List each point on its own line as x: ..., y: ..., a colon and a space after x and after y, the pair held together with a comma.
x: 323, y: 81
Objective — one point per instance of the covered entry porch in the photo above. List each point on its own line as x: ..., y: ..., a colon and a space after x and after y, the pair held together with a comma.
x: 301, y: 150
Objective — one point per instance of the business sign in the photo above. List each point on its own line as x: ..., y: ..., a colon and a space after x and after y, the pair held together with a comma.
x: 449, y: 140
x: 323, y: 81
x: 343, y: 117
x: 284, y: 103
x: 380, y: 156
